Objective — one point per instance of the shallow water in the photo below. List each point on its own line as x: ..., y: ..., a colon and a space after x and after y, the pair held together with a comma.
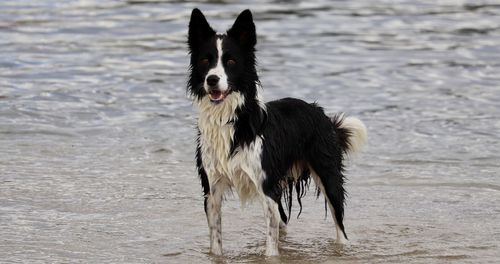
x: 97, y: 133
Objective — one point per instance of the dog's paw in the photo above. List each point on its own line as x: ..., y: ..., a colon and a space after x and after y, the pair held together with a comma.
x: 216, y: 250
x: 283, y: 228
x: 340, y: 240
x: 272, y: 251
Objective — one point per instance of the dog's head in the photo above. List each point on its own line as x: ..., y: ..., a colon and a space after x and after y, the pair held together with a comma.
x: 222, y: 63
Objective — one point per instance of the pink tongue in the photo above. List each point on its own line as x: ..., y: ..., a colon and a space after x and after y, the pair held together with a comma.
x: 215, y: 95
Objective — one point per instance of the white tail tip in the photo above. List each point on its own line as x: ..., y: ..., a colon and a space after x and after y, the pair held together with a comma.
x: 358, y: 134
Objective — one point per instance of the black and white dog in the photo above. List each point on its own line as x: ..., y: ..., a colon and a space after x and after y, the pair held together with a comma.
x: 262, y: 150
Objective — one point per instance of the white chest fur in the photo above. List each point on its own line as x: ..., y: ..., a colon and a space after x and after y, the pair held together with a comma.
x: 242, y: 170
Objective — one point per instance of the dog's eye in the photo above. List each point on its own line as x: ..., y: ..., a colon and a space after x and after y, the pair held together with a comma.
x: 204, y: 62
x: 231, y: 62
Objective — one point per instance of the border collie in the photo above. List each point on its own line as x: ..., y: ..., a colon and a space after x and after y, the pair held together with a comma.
x: 262, y: 150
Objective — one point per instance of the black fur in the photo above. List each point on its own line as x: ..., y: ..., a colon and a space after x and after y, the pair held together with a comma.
x: 296, y: 131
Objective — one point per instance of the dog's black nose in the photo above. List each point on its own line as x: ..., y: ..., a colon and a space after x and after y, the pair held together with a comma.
x: 212, y: 80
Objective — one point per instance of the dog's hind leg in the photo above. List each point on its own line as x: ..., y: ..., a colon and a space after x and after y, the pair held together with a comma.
x: 330, y: 181
x: 284, y: 218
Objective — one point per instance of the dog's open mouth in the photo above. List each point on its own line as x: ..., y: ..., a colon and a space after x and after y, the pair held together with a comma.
x: 217, y: 96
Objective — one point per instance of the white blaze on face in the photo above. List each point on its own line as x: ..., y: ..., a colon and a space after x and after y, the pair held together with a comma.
x: 218, y: 70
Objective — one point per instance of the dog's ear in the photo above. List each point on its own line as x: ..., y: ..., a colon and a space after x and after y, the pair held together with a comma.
x: 243, y: 30
x: 199, y: 29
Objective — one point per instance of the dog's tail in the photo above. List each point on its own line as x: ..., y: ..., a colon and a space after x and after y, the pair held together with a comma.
x: 351, y: 132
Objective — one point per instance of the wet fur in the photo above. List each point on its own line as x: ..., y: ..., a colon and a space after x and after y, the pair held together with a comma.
x: 263, y: 151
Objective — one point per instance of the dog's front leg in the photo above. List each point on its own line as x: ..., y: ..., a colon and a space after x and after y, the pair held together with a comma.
x: 272, y: 217
x: 213, y: 210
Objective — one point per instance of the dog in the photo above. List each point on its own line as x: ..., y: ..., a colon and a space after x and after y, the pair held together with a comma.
x: 262, y: 150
